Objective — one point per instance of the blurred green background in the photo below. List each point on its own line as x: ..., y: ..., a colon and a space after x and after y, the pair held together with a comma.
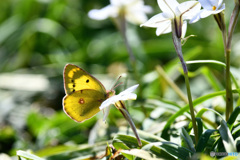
x: 39, y: 37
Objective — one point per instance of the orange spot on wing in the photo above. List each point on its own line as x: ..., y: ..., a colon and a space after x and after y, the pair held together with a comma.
x: 214, y: 8
x: 81, y: 101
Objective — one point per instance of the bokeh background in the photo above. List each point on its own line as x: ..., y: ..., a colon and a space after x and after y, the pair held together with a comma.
x: 39, y: 37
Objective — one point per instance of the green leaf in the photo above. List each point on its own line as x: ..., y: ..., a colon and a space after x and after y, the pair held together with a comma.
x: 163, y: 149
x: 55, y: 150
x: 211, y: 78
x: 143, y: 135
x: 186, y: 108
x: 188, y: 140
x: 74, y: 151
x: 171, y: 148
x: 227, y: 138
x: 200, y: 126
x: 203, y: 110
x: 233, y: 117
x: 202, y: 143
x: 28, y: 155
x: 218, y: 63
x: 126, y: 142
x: 141, y: 154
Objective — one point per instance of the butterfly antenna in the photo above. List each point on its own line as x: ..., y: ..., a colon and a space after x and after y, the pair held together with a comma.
x: 116, y: 85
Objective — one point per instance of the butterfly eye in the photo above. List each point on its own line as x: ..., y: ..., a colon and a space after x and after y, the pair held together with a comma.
x: 87, y: 80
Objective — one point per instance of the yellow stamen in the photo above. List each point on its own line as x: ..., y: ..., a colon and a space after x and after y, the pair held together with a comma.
x: 214, y: 8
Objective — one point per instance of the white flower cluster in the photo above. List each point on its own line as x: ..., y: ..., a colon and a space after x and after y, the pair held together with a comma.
x: 133, y: 10
x: 189, y: 10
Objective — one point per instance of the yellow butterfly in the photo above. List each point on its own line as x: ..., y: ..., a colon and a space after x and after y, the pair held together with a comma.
x: 84, y: 93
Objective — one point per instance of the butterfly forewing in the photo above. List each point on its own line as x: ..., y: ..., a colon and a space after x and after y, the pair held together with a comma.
x: 75, y: 79
x: 82, y: 105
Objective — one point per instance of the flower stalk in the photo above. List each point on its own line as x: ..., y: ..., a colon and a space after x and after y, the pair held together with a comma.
x: 227, y: 39
x: 229, y: 98
x: 117, y: 100
x: 121, y: 107
x: 178, y: 48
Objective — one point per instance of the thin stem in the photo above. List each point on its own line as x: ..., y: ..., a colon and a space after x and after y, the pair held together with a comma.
x: 178, y: 48
x: 233, y: 22
x: 121, y: 107
x: 232, y: 25
x: 229, y: 98
x: 227, y: 50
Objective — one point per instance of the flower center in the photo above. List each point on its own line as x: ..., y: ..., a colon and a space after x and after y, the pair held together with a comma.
x: 214, y: 8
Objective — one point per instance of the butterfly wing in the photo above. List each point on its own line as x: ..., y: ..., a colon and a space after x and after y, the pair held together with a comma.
x: 75, y: 79
x: 82, y: 105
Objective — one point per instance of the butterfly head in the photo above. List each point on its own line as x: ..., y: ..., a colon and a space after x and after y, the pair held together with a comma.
x: 110, y: 93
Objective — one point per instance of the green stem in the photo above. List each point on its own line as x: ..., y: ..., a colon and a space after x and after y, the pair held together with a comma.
x: 232, y: 25
x: 227, y: 40
x: 121, y: 107
x: 178, y: 48
x: 229, y: 98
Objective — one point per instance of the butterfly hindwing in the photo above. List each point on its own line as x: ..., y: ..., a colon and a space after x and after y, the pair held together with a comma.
x: 82, y: 105
x: 75, y: 79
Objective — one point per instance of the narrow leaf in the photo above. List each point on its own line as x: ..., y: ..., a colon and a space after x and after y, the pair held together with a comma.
x: 28, y: 155
x: 141, y: 154
x: 227, y: 138
x: 202, y: 143
x: 233, y: 117
x: 188, y: 140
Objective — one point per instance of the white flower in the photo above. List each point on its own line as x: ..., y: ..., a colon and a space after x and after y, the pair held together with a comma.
x: 124, y: 95
x: 172, y: 10
x: 209, y: 7
x: 133, y: 10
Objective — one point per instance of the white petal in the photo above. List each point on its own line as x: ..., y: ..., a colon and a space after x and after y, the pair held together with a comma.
x: 136, y: 17
x: 165, y: 28
x: 104, y: 13
x: 222, y: 7
x: 184, y: 29
x: 129, y: 90
x: 124, y: 95
x: 147, y: 9
x: 106, y: 113
x: 108, y: 102
x: 220, y: 3
x: 116, y: 2
x: 206, y: 13
x: 189, y: 9
x: 156, y: 21
x: 196, y: 17
x: 208, y: 4
x: 168, y: 6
